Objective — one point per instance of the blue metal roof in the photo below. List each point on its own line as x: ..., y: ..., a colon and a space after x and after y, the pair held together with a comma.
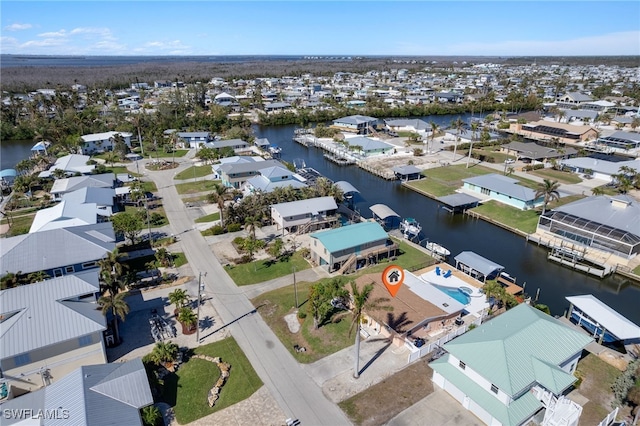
x: 350, y: 236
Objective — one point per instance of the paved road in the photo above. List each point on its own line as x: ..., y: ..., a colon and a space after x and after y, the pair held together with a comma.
x: 296, y: 393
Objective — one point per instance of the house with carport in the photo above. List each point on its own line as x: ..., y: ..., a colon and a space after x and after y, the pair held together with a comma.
x: 502, y: 189
x: 306, y: 215
x: 351, y: 247
x: 514, y: 366
x: 49, y: 329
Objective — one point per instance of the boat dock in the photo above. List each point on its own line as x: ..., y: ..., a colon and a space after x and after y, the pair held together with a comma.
x: 377, y: 170
x: 340, y: 161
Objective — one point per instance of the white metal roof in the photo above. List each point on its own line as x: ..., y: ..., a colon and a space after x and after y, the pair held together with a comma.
x: 310, y: 205
x: 383, y: 211
x: 65, y: 214
x: 615, y: 323
x: 477, y: 262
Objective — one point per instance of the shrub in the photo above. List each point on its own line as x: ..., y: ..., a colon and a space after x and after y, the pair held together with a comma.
x: 234, y: 227
x: 216, y: 230
x: 302, y: 314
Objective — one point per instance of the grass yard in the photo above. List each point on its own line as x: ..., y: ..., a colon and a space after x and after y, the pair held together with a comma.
x: 523, y: 220
x: 383, y: 401
x: 560, y: 176
x: 121, y: 170
x: 162, y: 153
x: 195, y: 187
x: 264, y: 270
x: 327, y: 339
x: 597, y: 377
x: 442, y: 181
x: 194, y: 172
x: 20, y: 224
x: 198, y: 199
x: 179, y: 259
x: 208, y: 218
x: 186, y: 390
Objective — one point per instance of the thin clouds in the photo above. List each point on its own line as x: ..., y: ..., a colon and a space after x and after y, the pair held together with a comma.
x: 18, y: 27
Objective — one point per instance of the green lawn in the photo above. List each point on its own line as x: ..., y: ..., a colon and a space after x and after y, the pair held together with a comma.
x: 264, y: 270
x: 560, y: 176
x: 120, y: 169
x: 162, y: 153
x: 20, y: 224
x: 523, y: 220
x: 194, y: 172
x: 179, y: 259
x: 195, y: 187
x: 442, y: 181
x: 187, y: 389
x: 637, y: 270
x: 208, y: 218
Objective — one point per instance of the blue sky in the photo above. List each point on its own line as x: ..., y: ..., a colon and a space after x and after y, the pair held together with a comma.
x: 320, y: 28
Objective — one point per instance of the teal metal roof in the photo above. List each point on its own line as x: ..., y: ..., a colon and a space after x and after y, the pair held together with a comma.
x: 511, y: 350
x: 513, y: 414
x: 350, y: 236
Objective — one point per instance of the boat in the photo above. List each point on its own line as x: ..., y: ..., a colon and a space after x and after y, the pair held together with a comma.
x: 437, y: 249
x: 410, y: 227
x: 595, y: 329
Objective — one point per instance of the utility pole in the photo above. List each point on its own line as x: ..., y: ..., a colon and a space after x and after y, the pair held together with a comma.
x: 198, y: 314
x: 295, y: 287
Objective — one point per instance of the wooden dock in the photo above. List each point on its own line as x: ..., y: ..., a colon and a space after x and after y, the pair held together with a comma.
x: 340, y: 161
x: 378, y: 171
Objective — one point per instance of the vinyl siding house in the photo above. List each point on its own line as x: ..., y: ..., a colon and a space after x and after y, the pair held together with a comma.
x: 305, y: 215
x: 335, y: 247
x: 40, y: 251
x: 509, y: 368
x: 102, y: 142
x: 504, y: 190
x: 599, y: 222
x: 96, y: 395
x: 598, y: 168
x: 49, y: 329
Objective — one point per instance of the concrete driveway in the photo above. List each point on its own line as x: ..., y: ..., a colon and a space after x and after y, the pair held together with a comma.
x: 437, y: 409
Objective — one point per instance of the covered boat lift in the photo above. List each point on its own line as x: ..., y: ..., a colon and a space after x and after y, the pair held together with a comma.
x: 385, y: 216
x: 459, y: 202
x: 603, y: 322
x: 477, y: 266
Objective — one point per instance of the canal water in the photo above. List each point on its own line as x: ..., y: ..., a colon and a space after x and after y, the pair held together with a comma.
x: 524, y: 261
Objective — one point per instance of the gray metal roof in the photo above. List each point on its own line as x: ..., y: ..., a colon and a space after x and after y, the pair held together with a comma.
x: 609, y: 318
x: 56, y: 247
x: 458, y: 199
x: 356, y: 119
x: 503, y: 185
x: 383, y: 211
x: 265, y: 185
x: 237, y: 168
x: 623, y: 214
x: 46, y: 313
x: 311, y: 205
x: 100, y: 196
x: 229, y: 142
x: 535, y: 151
x: 415, y: 123
x: 368, y: 144
x: 600, y: 166
x: 580, y: 113
x: 73, y: 183
x: 96, y: 395
x: 628, y: 136
x: 346, y: 187
x: 406, y: 170
x: 477, y: 262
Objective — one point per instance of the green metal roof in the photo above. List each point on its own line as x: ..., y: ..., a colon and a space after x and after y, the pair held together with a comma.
x: 513, y: 414
x: 511, y: 349
x: 350, y: 236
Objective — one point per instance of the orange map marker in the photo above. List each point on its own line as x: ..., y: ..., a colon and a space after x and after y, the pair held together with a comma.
x: 392, y: 278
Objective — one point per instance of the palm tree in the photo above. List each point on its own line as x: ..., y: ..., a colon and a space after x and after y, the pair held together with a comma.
x: 178, y: 297
x: 151, y: 416
x: 187, y: 317
x: 219, y: 196
x: 118, y: 307
x: 549, y: 190
x: 598, y: 190
x: 474, y: 129
x: 460, y: 130
x: 36, y: 277
x: 163, y: 353
x: 360, y: 301
x: 10, y: 280
x: 434, y: 130
x: 250, y: 224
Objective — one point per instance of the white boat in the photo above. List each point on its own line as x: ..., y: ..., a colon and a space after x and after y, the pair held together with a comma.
x: 410, y: 227
x: 437, y: 249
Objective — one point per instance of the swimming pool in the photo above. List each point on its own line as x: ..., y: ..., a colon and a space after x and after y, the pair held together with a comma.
x: 457, y: 293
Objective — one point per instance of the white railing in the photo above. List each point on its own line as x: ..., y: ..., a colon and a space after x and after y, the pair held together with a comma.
x: 610, y: 417
x: 417, y: 353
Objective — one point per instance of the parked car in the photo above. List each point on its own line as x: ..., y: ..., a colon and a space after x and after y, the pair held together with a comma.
x: 509, y: 161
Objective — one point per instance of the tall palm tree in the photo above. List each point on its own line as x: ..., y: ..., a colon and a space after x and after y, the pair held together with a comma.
x: 360, y: 301
x: 118, y: 307
x: 474, y: 130
x: 549, y: 190
x: 251, y: 223
x: 460, y: 130
x: 434, y: 130
x: 219, y: 196
x: 598, y: 190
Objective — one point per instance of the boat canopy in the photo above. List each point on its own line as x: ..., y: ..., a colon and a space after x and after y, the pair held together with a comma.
x: 606, y: 317
x: 459, y: 200
x: 346, y: 187
x: 478, y: 263
x: 383, y: 211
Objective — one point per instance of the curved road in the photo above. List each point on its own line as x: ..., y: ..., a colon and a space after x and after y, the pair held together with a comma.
x: 296, y: 393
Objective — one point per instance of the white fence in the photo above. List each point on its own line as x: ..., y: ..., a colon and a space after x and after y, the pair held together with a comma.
x: 416, y: 353
x: 611, y: 417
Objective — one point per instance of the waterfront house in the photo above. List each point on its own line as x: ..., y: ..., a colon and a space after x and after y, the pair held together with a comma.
x: 235, y: 174
x: 533, y: 153
x: 65, y: 186
x: 276, y: 107
x: 71, y: 164
x: 503, y: 189
x: 369, y: 147
x: 508, y: 369
x: 609, y: 224
x: 92, y: 394
x: 598, y: 168
x: 348, y: 247
x: 305, y: 215
x: 572, y: 99
x: 49, y: 329
x: 83, y: 247
x: 237, y: 145
x: 359, y: 124
x: 102, y: 142
x: 620, y: 141
x: 407, y: 125
x: 272, y: 178
x: 104, y: 198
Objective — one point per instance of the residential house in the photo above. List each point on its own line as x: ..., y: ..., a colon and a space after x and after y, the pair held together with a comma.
x: 276, y: 106
x: 531, y: 152
x: 72, y: 164
x: 272, y: 178
x: 598, y: 168
x: 503, y: 189
x: 83, y: 247
x: 102, y: 142
x: 104, y: 198
x: 620, y: 141
x: 609, y: 224
x: 571, y: 99
x: 305, y: 215
x: 349, y: 247
x: 194, y: 140
x: 408, y: 125
x: 508, y: 369
x: 235, y: 174
x: 369, y: 147
x: 65, y: 186
x: 448, y: 97
x: 359, y: 124
x: 67, y: 214
x: 239, y: 159
x: 224, y: 99
x: 49, y: 329
x: 97, y: 395
x: 549, y: 130
x: 238, y: 145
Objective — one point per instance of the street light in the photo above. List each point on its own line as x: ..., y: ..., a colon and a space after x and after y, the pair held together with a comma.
x: 200, y: 285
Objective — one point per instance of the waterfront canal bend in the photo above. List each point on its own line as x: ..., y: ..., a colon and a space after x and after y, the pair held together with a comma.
x: 525, y: 261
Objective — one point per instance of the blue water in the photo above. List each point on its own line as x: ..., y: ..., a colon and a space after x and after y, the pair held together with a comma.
x: 457, y: 294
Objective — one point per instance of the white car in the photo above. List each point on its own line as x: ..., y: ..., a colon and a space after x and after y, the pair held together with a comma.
x: 509, y: 161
